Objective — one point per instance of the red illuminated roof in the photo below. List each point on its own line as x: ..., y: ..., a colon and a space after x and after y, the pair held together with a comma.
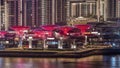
x: 49, y: 27
x: 2, y: 32
x: 86, y: 26
x: 65, y: 29
x: 18, y: 28
x: 42, y: 33
x: 37, y: 29
x: 83, y: 27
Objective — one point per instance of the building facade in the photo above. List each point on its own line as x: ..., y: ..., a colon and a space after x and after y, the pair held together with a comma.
x: 117, y: 6
x: 2, y: 16
x: 112, y: 8
x: 34, y: 12
x: 82, y: 8
x: 39, y: 12
x: 87, y: 8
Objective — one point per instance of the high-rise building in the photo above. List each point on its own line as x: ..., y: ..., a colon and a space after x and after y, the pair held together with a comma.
x: 34, y: 12
x: 2, y: 15
x: 11, y: 13
x: 39, y: 12
x: 82, y: 8
x: 117, y: 8
x: 102, y: 10
x: 112, y: 8
x: 77, y: 9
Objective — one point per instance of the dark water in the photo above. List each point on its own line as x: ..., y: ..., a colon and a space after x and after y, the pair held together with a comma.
x: 99, y: 61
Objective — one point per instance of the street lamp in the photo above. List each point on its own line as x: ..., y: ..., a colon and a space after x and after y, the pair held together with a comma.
x: 30, y: 42
x: 45, y: 46
x: 73, y: 46
x: 85, y: 40
x: 60, y: 43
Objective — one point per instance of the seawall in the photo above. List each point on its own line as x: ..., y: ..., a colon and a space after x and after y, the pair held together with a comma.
x: 62, y: 54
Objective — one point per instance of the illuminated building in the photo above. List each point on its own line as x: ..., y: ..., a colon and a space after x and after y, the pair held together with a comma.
x: 87, y: 8
x: 117, y: 2
x: 34, y: 12
x: 112, y: 8
x: 2, y: 16
x: 81, y: 8
x: 38, y: 12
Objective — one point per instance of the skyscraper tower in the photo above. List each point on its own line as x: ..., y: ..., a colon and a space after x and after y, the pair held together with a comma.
x: 34, y: 12
x: 112, y: 8
x: 11, y: 13
x: 117, y: 2
x: 1, y: 15
x: 87, y: 8
x: 81, y: 9
x: 101, y: 10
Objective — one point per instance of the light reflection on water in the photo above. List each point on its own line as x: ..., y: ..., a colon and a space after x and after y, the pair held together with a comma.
x: 87, y: 62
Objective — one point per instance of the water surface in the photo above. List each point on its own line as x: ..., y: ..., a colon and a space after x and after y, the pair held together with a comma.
x: 100, y: 61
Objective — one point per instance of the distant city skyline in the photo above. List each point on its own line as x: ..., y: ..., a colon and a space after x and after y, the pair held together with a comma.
x: 34, y: 13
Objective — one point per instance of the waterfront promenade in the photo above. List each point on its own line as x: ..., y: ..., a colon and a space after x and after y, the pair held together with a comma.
x: 54, y: 53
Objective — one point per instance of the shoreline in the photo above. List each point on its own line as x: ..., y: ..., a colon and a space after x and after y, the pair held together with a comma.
x: 59, y: 53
